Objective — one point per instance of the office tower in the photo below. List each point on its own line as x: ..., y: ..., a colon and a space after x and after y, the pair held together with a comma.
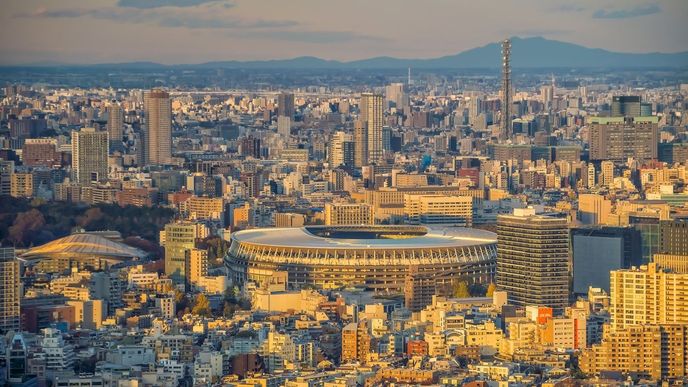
x: 336, y: 153
x: 674, y: 236
x: 648, y: 295
x: 345, y: 213
x: 532, y: 259
x: 360, y: 144
x: 285, y: 219
x: 626, y: 106
x: 10, y: 291
x: 158, y: 127
x: 607, y: 177
x: 372, y: 114
x: 547, y: 95
x: 394, y: 96
x: 6, y: 172
x: 89, y: 155
x: 439, y: 209
x: 196, y: 264
x: 599, y: 250
x: 593, y: 208
x: 115, y: 125
x: 176, y: 239
x: 250, y: 146
x: 285, y: 105
x: 284, y: 125
x: 506, y: 89
x: 620, y: 138
x: 386, y: 138
x: 648, y: 226
x: 355, y: 343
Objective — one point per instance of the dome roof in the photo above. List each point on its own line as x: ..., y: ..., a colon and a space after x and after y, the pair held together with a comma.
x: 85, y: 244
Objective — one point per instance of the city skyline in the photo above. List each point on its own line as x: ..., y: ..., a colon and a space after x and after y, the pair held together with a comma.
x: 197, y: 31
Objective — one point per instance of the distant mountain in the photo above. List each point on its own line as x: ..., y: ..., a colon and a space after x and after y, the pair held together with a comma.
x: 533, y: 52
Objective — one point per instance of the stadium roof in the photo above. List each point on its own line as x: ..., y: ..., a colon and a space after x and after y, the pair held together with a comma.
x: 302, y: 237
x: 85, y: 244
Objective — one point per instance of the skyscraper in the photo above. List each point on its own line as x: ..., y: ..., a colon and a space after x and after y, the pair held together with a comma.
x: 372, y: 114
x: 285, y: 113
x: 158, y: 127
x: 532, y: 259
x: 625, y: 106
x: 360, y: 144
x: 115, y: 125
x: 9, y: 290
x: 506, y: 89
x: 176, y: 239
x: 337, y: 153
x: 89, y: 155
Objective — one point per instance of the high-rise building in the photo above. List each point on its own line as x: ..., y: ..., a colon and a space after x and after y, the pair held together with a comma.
x: 532, y: 259
x: 626, y: 106
x: 649, y: 294
x: 372, y: 114
x: 196, y: 264
x: 22, y: 185
x: 674, y: 236
x: 598, y: 250
x: 345, y: 213
x: 89, y: 155
x: 337, y: 152
x: 40, y: 152
x: 285, y: 105
x: 115, y: 125
x: 158, y: 127
x: 506, y: 89
x: 176, y: 239
x: 395, y: 96
x: 360, y: 144
x: 620, y: 138
x: 591, y: 181
x: 10, y: 290
x: 607, y: 176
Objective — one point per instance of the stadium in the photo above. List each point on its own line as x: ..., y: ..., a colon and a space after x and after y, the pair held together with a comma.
x: 378, y: 258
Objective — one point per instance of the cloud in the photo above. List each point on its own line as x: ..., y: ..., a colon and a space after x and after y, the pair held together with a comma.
x: 162, y: 18
x: 315, y: 37
x: 641, y: 10
x: 567, y: 8
x: 148, y: 4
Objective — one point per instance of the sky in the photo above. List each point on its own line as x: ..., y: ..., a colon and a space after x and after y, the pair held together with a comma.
x: 197, y: 31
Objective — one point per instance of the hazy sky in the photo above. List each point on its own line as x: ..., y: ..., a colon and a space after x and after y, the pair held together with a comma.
x: 194, y: 31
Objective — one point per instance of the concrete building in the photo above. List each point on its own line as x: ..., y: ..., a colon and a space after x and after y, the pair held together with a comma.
x: 115, y: 125
x: 619, y: 138
x: 372, y: 108
x: 593, y: 208
x: 648, y: 295
x: 22, y: 185
x: 176, y: 239
x: 532, y: 259
x: 439, y: 209
x: 89, y: 155
x: 355, y: 343
x: 346, y: 213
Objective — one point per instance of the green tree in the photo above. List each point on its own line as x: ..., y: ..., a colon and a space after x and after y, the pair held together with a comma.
x: 201, y: 306
x: 461, y: 289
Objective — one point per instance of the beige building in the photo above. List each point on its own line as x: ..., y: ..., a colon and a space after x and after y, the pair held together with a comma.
x: 372, y: 108
x: 289, y: 220
x: 196, y: 264
x: 648, y: 295
x: 355, y: 343
x: 656, y: 351
x: 619, y: 138
x: 439, y: 209
x: 593, y: 208
x: 89, y: 155
x: 22, y: 185
x: 158, y: 127
x: 201, y: 207
x: 345, y: 213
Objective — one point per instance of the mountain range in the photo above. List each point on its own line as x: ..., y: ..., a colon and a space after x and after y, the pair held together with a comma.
x: 534, y: 52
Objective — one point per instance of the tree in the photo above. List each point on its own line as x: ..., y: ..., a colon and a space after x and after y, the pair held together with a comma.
x: 461, y: 289
x: 201, y: 306
x: 24, y: 226
x: 490, y: 290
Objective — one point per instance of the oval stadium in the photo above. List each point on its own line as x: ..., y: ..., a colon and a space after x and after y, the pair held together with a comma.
x: 378, y: 258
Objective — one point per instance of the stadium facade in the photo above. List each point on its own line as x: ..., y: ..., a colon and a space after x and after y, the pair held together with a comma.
x: 378, y: 258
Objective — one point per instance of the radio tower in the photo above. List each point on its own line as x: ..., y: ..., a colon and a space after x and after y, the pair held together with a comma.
x: 506, y: 90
